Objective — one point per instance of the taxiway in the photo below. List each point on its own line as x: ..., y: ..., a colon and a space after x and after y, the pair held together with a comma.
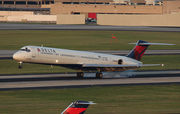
x: 7, y: 26
x: 49, y: 81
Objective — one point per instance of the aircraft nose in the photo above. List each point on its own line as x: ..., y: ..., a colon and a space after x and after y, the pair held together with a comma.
x: 16, y: 56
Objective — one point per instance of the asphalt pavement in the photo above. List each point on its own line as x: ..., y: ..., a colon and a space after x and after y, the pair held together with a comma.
x: 49, y: 81
x: 7, y: 26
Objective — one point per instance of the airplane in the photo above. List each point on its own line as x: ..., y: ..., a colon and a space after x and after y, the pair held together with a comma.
x: 83, y: 60
x: 77, y: 107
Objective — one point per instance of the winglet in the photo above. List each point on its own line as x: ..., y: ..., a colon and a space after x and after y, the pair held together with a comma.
x: 77, y: 107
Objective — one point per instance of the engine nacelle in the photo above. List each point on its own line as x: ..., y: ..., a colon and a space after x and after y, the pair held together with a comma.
x: 120, y: 61
x: 128, y: 62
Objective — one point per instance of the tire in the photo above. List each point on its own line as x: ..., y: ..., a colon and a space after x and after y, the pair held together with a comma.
x: 80, y: 74
x: 99, y: 75
x: 20, y: 67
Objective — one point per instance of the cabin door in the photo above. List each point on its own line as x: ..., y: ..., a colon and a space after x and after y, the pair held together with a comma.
x: 33, y: 53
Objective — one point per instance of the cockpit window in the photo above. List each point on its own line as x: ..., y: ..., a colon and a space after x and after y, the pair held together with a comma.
x: 26, y: 49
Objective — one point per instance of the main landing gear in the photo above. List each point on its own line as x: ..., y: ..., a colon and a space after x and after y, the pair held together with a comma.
x: 20, y: 65
x: 81, y: 74
x: 99, y: 75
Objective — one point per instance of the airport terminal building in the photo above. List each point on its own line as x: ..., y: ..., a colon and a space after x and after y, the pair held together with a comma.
x: 89, y: 8
x: 93, y: 6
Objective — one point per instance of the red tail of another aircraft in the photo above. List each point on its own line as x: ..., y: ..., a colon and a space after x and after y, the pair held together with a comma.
x: 77, y: 107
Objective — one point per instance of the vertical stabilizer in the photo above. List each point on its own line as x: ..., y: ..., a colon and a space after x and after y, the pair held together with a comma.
x: 138, y: 50
x: 77, y: 107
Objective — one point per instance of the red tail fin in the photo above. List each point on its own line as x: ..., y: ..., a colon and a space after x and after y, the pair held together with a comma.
x: 138, y: 50
x: 77, y: 107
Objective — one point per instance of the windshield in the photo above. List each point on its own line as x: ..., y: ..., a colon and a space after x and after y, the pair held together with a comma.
x: 26, y: 49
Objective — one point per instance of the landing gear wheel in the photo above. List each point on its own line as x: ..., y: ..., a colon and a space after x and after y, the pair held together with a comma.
x: 99, y: 75
x: 20, y: 67
x: 80, y: 74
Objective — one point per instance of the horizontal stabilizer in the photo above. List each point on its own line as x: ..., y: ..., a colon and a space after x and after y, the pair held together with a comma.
x: 147, y: 44
x: 86, y: 103
x: 153, y: 65
x: 110, y: 66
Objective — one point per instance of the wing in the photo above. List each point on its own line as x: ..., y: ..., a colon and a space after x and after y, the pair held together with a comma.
x: 119, y: 66
x: 115, y: 68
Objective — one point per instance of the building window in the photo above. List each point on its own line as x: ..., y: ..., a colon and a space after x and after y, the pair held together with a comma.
x: 20, y: 2
x: 157, y: 4
x: 98, y: 3
x: 76, y: 12
x: 32, y: 3
x: 70, y: 2
x: 92, y: 3
x: 66, y: 2
x: 141, y: 4
x: 47, y: 2
x: 0, y: 2
x: 84, y: 3
x: 8, y: 2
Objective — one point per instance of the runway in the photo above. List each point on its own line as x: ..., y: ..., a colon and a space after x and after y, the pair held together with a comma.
x: 7, y: 26
x: 51, y: 81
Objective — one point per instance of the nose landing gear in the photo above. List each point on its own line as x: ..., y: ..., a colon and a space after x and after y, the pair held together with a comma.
x: 20, y: 65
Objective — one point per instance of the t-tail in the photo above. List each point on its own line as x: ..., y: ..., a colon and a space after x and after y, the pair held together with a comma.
x: 140, y: 48
x: 77, y: 107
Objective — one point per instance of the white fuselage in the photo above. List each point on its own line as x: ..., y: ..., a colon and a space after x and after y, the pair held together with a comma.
x: 55, y: 56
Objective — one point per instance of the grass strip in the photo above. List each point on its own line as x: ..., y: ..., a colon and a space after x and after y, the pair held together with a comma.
x: 149, y: 99
x: 84, y: 40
